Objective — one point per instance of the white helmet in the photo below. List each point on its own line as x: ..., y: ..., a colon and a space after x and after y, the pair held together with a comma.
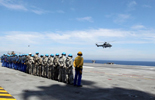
x: 30, y: 53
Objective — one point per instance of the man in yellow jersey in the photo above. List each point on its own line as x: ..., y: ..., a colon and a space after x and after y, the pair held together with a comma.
x: 78, y: 64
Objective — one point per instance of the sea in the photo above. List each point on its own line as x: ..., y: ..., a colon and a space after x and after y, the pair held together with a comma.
x: 139, y: 63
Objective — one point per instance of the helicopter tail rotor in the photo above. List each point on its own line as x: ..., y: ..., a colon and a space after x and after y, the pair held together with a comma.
x: 97, y: 45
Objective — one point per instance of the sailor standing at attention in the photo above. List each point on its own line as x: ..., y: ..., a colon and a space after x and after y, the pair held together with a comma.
x: 36, y: 58
x: 78, y: 64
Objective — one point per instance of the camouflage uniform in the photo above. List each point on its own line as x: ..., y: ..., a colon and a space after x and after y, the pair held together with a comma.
x: 44, y: 67
x: 62, y: 66
x: 69, y: 70
x: 50, y: 68
x: 40, y: 63
x: 26, y: 63
x: 56, y: 67
x: 29, y: 64
x: 36, y: 58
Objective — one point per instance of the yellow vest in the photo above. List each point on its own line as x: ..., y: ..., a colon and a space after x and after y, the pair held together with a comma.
x: 78, y: 61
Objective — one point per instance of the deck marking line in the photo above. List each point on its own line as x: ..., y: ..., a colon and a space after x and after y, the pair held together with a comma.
x: 88, y: 67
x: 4, y: 95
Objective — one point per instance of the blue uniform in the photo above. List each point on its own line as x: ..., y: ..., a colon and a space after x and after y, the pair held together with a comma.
x: 2, y: 61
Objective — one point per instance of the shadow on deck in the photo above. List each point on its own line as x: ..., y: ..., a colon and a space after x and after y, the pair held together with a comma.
x: 69, y: 92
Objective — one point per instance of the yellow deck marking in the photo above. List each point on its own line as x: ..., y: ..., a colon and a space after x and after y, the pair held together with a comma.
x: 4, y: 95
x: 3, y: 91
x: 6, y: 99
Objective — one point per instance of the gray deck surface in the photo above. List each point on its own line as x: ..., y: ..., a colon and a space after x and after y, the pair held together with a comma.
x: 100, y: 82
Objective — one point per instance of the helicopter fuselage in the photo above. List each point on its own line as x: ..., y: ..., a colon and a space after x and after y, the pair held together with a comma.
x: 104, y: 45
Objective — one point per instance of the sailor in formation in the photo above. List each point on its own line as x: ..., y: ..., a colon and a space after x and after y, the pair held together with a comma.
x: 62, y: 66
x: 44, y: 66
x: 36, y: 58
x: 30, y: 62
x: 69, y: 69
x: 49, y: 66
x: 56, y: 66
x: 40, y: 63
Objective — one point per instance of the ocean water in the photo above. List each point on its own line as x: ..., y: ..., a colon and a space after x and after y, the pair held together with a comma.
x: 141, y: 63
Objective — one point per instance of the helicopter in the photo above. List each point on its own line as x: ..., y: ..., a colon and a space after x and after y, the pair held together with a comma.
x: 104, y: 45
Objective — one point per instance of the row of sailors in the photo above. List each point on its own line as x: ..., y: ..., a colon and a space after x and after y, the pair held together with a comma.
x: 53, y: 67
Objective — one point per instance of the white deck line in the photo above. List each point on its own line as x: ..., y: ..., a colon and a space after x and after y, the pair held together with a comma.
x: 88, y: 67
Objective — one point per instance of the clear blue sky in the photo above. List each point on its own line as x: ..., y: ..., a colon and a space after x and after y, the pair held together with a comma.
x: 56, y: 26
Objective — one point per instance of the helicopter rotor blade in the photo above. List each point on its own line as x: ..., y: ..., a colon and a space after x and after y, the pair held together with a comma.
x: 111, y: 41
x: 100, y: 42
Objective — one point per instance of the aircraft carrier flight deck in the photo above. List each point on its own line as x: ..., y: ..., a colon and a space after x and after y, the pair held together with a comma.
x: 100, y: 82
